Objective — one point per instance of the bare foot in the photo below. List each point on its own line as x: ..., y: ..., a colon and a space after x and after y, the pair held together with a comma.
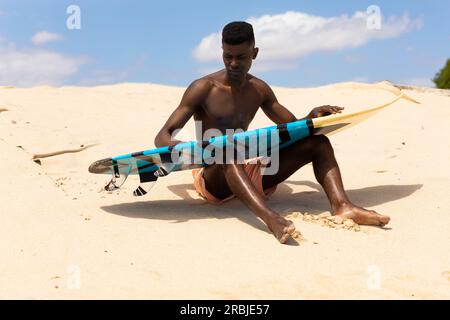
x: 281, y: 228
x: 361, y: 215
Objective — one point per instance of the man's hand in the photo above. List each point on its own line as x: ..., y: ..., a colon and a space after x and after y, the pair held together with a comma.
x: 324, y: 111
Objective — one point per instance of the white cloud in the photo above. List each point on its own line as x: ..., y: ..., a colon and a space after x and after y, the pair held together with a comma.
x: 25, y: 67
x: 266, y: 65
x: 44, y: 37
x: 292, y: 35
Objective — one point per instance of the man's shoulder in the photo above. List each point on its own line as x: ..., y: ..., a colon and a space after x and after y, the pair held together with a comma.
x: 202, y: 85
x: 212, y: 79
x: 207, y: 82
x: 258, y: 83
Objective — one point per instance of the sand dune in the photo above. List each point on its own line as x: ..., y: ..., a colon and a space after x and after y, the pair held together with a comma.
x: 62, y: 238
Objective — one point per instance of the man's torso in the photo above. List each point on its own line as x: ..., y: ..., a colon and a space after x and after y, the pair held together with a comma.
x: 225, y: 107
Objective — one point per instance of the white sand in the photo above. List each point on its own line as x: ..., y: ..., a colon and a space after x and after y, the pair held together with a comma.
x: 61, y: 238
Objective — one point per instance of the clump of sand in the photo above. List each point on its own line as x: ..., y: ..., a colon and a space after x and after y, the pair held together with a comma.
x: 325, y: 219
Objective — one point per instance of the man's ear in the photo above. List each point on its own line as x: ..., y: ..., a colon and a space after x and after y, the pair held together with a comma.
x: 255, y: 53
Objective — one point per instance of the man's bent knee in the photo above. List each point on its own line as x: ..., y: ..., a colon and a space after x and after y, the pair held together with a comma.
x: 312, y: 143
x: 323, y: 147
x: 320, y: 139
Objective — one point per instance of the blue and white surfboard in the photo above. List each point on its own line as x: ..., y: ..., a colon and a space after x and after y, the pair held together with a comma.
x: 154, y: 163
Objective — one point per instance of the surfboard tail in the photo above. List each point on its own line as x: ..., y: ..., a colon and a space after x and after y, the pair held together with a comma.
x: 120, y: 172
x: 101, y: 166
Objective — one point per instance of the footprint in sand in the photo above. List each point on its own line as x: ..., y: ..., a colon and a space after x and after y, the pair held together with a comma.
x: 325, y: 220
x: 57, y: 153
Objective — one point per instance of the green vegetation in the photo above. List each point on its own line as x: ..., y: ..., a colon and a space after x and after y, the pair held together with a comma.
x: 442, y: 78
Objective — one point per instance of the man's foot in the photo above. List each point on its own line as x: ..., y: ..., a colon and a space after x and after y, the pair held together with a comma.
x: 361, y: 215
x: 281, y: 228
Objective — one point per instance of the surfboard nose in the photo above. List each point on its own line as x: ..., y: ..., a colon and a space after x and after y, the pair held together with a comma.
x: 101, y: 166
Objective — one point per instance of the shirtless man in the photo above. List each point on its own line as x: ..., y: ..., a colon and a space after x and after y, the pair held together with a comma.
x: 229, y: 99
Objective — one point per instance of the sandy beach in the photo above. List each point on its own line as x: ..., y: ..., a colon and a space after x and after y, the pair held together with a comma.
x: 61, y: 237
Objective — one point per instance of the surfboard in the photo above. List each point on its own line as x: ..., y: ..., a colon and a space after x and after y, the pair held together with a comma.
x: 154, y: 163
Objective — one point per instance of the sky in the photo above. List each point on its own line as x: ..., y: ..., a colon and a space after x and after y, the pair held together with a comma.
x: 302, y: 43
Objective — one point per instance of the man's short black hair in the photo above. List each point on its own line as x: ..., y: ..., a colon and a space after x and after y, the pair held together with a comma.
x: 238, y: 32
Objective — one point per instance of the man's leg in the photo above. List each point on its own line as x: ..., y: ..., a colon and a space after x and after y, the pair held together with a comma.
x: 223, y: 180
x: 318, y: 150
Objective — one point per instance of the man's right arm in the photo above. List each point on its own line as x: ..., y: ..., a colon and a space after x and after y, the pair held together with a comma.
x: 193, y: 98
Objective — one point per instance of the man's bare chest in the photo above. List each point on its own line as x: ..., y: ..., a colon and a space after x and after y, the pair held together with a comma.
x: 232, y: 109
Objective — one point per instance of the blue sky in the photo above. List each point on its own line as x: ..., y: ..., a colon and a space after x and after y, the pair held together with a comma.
x: 155, y: 41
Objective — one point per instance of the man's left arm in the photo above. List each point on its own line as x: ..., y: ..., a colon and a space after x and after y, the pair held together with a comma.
x: 279, y: 114
x: 273, y: 109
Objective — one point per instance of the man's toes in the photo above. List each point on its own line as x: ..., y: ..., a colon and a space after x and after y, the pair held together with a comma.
x: 384, y: 220
x: 288, y: 231
x: 284, y: 237
x: 378, y: 219
x: 290, y: 227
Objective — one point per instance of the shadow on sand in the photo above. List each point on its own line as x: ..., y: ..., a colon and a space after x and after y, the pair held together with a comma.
x: 314, y: 202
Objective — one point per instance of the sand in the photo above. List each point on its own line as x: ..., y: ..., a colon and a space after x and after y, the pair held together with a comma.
x: 60, y: 238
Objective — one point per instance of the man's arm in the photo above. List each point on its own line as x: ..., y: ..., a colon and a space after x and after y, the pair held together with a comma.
x: 279, y: 114
x: 273, y: 109
x: 192, y: 99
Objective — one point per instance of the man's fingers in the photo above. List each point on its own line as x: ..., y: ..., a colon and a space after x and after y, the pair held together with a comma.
x: 335, y: 109
x: 327, y: 110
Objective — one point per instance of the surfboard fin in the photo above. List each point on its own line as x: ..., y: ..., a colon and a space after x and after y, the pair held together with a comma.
x: 147, y: 177
x: 164, y: 169
x: 143, y: 189
x: 120, y: 175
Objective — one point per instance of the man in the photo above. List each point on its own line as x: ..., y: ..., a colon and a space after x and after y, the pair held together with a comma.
x: 229, y: 99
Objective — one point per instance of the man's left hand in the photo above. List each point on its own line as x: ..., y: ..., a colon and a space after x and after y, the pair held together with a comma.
x: 324, y: 111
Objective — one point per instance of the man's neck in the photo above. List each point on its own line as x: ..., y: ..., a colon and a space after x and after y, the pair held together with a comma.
x: 236, y: 83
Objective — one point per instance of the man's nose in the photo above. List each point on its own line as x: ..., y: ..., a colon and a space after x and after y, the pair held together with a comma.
x: 234, y: 63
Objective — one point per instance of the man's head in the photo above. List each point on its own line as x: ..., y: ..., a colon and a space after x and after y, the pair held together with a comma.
x: 238, y: 45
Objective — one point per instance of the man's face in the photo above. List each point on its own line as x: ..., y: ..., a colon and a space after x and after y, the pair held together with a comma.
x: 238, y: 58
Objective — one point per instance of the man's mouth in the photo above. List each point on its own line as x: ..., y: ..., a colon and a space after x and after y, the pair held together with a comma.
x: 235, y: 71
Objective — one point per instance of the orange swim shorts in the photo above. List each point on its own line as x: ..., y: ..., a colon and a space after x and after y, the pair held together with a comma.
x: 253, y: 170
